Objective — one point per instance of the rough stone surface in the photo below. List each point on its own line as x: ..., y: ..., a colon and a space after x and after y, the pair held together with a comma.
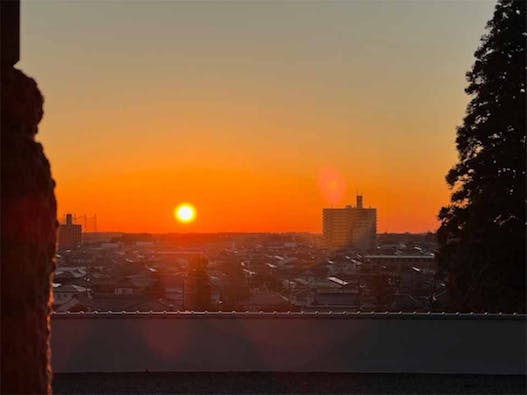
x: 28, y: 229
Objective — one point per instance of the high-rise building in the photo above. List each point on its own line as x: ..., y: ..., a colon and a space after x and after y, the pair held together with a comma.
x: 70, y: 234
x: 350, y: 227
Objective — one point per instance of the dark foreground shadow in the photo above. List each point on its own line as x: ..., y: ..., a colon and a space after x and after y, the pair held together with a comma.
x: 284, y: 383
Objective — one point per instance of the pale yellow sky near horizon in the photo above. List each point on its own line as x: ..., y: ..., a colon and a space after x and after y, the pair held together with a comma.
x: 238, y: 107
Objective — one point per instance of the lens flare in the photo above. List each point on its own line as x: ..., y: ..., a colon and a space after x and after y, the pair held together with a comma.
x: 185, y: 213
x: 332, y: 185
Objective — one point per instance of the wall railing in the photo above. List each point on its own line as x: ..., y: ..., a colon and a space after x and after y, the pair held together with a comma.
x: 289, y: 342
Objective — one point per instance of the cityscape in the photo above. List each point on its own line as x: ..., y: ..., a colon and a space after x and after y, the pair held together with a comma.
x: 349, y: 267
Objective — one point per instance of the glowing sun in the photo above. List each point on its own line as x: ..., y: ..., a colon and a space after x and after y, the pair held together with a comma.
x: 185, y: 213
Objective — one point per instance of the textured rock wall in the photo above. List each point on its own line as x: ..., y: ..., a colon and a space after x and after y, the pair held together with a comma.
x: 28, y: 229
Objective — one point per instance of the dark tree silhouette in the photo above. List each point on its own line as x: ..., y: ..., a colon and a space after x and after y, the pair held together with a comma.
x: 198, y: 285
x: 482, y: 232
x: 383, y: 291
x: 236, y: 290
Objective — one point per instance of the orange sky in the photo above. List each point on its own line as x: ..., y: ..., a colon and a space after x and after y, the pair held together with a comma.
x: 240, y: 107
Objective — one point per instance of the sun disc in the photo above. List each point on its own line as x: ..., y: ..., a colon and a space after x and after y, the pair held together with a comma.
x: 185, y: 213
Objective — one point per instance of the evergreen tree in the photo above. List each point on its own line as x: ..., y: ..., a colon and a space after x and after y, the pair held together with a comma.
x: 236, y: 289
x: 198, y: 285
x: 482, y: 232
x: 383, y: 291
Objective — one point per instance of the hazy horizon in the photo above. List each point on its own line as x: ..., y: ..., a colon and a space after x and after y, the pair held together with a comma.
x: 260, y: 114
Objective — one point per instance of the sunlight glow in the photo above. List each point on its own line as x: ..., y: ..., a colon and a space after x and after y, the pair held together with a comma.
x: 185, y: 213
x: 332, y: 185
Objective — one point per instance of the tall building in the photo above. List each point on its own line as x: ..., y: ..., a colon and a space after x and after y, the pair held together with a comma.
x: 70, y: 234
x: 350, y: 227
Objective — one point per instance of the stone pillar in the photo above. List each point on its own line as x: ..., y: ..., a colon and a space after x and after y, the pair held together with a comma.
x: 28, y: 225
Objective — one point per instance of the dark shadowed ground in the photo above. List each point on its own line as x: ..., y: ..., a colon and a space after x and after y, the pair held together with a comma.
x: 284, y: 383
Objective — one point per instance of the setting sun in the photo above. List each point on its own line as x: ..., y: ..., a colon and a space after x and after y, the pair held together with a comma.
x: 317, y: 135
x: 185, y: 213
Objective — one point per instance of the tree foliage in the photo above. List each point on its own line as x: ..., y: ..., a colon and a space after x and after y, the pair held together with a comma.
x: 383, y: 291
x: 198, y: 283
x: 236, y: 289
x: 482, y: 232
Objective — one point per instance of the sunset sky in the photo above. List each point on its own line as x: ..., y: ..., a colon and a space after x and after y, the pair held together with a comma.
x: 257, y: 113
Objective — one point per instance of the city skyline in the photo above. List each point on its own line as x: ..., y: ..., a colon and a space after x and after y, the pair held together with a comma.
x: 219, y: 112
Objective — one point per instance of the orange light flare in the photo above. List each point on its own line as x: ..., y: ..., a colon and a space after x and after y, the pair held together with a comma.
x: 332, y: 185
x: 185, y: 213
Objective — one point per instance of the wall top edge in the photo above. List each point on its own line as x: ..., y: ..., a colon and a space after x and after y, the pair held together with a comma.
x: 291, y: 315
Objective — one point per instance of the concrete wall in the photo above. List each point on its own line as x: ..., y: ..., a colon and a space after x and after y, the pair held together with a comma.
x: 292, y: 342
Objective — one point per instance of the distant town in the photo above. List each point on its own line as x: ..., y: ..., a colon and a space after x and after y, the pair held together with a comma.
x: 348, y: 268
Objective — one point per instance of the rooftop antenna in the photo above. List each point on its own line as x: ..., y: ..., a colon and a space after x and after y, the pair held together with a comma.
x: 359, y: 201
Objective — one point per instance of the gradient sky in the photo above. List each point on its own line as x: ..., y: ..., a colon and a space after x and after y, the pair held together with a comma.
x: 258, y: 113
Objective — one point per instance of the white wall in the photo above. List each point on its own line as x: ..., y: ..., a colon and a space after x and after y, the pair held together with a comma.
x: 325, y: 342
